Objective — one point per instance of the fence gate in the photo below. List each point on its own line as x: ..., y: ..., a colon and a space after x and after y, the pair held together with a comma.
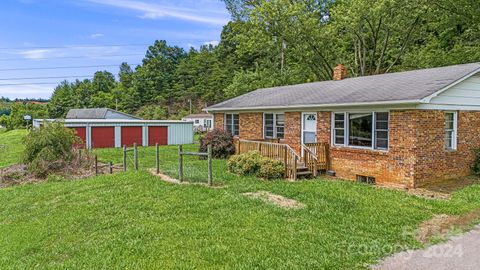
x: 181, y: 153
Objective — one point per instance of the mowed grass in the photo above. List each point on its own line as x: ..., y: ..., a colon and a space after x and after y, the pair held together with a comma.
x: 134, y: 220
x: 11, y: 147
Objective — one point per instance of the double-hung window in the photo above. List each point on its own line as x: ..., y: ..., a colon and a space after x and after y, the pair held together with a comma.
x: 365, y: 130
x: 381, y: 130
x: 232, y: 123
x: 274, y: 125
x: 339, y: 129
x: 451, y: 130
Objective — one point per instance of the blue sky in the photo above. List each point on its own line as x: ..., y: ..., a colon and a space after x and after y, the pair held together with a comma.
x: 41, y: 34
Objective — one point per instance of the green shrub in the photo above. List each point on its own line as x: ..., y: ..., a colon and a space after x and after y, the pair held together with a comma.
x: 49, y: 148
x: 221, y: 141
x: 245, y: 164
x: 253, y: 163
x: 271, y: 169
x: 476, y: 164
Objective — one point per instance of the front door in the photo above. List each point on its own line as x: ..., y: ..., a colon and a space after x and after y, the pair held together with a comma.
x: 309, y: 128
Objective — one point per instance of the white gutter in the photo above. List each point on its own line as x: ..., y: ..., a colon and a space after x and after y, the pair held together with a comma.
x: 313, y: 106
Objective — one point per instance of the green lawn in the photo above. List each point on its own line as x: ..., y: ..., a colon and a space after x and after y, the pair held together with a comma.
x: 11, y: 147
x: 136, y: 221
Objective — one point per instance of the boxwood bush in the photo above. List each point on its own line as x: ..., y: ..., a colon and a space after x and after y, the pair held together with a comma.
x: 253, y: 163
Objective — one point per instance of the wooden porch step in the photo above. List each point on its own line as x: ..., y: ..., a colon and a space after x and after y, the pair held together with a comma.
x: 304, y: 173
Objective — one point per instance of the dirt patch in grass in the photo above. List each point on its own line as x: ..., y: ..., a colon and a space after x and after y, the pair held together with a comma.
x: 429, y: 194
x: 451, y: 185
x: 18, y: 174
x: 172, y: 180
x: 275, y: 199
x: 441, y: 225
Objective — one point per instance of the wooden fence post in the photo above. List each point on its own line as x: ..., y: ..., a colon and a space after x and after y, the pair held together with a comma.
x: 110, y: 168
x: 135, y: 156
x: 96, y: 165
x: 210, y: 176
x: 157, y: 158
x: 124, y: 158
x: 285, y: 160
x: 180, y: 163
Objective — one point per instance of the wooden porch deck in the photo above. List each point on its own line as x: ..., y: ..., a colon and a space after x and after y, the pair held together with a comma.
x: 314, y: 160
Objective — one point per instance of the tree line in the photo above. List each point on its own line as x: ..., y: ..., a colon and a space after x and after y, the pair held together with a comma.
x: 280, y: 42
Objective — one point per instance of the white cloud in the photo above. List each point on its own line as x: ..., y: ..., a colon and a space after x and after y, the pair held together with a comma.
x: 157, y: 11
x: 25, y: 90
x: 70, y: 51
x: 35, y: 54
x: 213, y: 43
x: 95, y: 36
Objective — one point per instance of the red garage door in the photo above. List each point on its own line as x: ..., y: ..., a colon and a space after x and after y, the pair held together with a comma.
x: 81, y: 132
x: 131, y: 135
x: 157, y: 135
x: 103, y: 137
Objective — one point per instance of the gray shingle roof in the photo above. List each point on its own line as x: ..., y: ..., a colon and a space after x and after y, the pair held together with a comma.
x: 401, y: 86
x: 98, y: 113
x: 199, y: 115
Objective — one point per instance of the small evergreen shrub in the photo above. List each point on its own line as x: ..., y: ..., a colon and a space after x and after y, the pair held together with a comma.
x: 221, y: 141
x: 253, y: 163
x: 49, y: 149
x: 271, y: 169
x: 476, y: 164
x: 245, y: 164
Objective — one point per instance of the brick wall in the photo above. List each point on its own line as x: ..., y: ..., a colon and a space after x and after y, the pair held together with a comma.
x: 394, y: 168
x: 434, y: 162
x: 219, y: 120
x: 416, y: 154
x: 251, y: 126
x: 293, y: 130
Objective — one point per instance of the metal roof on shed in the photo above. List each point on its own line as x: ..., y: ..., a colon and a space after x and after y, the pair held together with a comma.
x: 98, y: 113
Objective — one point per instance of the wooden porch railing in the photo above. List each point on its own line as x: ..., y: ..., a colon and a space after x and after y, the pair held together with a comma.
x: 315, y: 156
x: 310, y: 160
x: 322, y: 152
x: 278, y: 151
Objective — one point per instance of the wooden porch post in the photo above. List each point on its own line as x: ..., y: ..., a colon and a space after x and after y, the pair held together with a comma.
x: 326, y: 148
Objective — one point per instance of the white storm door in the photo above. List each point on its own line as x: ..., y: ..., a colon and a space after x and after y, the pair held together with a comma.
x: 309, y: 128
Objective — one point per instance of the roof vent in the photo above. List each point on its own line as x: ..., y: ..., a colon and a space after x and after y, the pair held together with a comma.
x: 340, y: 72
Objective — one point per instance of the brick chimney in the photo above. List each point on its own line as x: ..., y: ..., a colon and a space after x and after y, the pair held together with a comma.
x: 339, y: 72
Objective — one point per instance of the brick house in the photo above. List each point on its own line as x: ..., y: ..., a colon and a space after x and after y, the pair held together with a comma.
x: 403, y: 129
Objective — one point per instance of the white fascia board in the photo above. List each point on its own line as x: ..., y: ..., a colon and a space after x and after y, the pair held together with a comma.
x: 429, y: 98
x: 448, y: 107
x: 320, y: 107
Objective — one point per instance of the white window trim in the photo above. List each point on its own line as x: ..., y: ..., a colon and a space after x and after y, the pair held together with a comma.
x: 274, y: 125
x: 347, y: 131
x: 455, y: 131
x: 225, y: 123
